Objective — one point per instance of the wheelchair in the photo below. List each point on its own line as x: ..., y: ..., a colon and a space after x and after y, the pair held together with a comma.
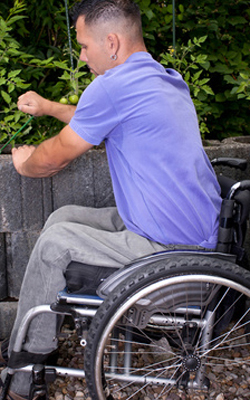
x: 166, y: 326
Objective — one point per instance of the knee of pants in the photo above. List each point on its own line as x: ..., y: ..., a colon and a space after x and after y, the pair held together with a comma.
x: 62, y: 214
x: 53, y: 244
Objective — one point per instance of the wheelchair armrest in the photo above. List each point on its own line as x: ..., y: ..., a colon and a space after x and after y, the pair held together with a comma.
x: 225, y: 185
x: 241, y: 197
x: 238, y: 163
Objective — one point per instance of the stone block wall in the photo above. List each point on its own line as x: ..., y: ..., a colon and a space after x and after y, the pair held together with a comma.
x: 26, y: 204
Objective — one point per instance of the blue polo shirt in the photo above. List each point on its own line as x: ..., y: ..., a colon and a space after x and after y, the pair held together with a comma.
x: 164, y: 185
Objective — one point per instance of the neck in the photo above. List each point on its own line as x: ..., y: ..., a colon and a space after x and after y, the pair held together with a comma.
x: 128, y: 51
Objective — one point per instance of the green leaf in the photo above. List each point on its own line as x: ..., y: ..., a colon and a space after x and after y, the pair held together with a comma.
x: 202, y: 39
x: 149, y: 14
x: 17, y: 116
x: 220, y: 98
x: 187, y: 77
x: 9, y: 118
x: 201, y: 58
x: 14, y: 52
x: 244, y: 76
x: 35, y: 61
x: 242, y: 96
x: 196, y: 76
x: 232, y: 54
x: 11, y: 87
x: 168, y: 19
x: 12, y: 74
x: 48, y: 61
x: 2, y: 81
x: 170, y: 8
x: 149, y: 36
x: 181, y: 8
x: 234, y: 90
x: 206, y: 65
x: 207, y: 89
x: 61, y: 65
x: 237, y: 20
x: 2, y: 72
x: 22, y: 85
x: 80, y: 74
x: 229, y: 79
x: 196, y: 91
x: 6, y: 97
x: 222, y: 69
x: 14, y: 19
x: 242, y: 87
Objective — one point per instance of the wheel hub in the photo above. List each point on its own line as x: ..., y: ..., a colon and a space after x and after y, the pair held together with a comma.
x: 191, y: 363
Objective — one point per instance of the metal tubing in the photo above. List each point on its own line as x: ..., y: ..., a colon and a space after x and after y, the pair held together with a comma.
x: 33, y: 312
x: 173, y: 321
x: 128, y: 349
x: 22, y: 331
x: 60, y: 371
x: 200, y: 378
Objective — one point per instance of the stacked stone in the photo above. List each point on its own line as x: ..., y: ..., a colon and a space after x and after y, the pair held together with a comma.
x: 25, y: 205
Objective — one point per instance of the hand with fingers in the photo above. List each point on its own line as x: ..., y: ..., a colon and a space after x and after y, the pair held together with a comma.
x: 20, y: 155
x: 34, y: 104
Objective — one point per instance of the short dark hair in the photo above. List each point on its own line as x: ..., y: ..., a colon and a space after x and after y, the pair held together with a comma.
x: 105, y: 10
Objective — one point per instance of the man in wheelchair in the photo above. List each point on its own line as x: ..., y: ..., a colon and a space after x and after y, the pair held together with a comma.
x: 165, y: 188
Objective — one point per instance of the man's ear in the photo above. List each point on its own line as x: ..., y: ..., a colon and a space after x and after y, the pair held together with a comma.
x: 113, y: 43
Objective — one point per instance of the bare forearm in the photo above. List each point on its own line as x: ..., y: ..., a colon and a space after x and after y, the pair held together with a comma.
x: 63, y: 112
x: 39, y: 165
x: 50, y: 156
x: 39, y: 162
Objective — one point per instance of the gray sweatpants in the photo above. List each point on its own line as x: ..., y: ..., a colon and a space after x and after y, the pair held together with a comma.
x: 72, y: 233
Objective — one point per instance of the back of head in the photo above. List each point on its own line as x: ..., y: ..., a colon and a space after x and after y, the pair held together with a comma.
x: 124, y: 13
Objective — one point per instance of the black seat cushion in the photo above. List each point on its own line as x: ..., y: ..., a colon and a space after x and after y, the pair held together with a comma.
x: 84, y: 278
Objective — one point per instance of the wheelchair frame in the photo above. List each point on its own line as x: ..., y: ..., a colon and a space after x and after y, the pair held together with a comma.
x: 180, y: 295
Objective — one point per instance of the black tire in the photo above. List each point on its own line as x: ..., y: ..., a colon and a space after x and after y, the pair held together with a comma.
x: 179, y: 319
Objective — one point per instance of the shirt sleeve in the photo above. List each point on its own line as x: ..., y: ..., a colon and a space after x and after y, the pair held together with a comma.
x: 95, y: 116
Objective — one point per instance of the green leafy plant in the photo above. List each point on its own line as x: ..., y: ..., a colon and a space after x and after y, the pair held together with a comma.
x: 75, y: 81
x: 241, y: 85
x: 227, y: 48
x: 225, y: 52
x: 11, y: 82
x: 67, y: 89
x: 226, y: 25
x: 18, y: 66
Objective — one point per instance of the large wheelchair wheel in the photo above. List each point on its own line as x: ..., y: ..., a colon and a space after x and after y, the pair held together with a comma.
x: 171, y: 330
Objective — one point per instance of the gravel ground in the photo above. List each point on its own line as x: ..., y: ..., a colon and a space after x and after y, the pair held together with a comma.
x: 70, y: 355
x: 234, y: 381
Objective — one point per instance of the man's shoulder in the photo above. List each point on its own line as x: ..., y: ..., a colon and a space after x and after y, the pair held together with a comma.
x: 134, y: 69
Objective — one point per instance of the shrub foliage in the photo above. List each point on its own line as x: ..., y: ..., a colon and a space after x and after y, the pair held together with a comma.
x: 208, y: 42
